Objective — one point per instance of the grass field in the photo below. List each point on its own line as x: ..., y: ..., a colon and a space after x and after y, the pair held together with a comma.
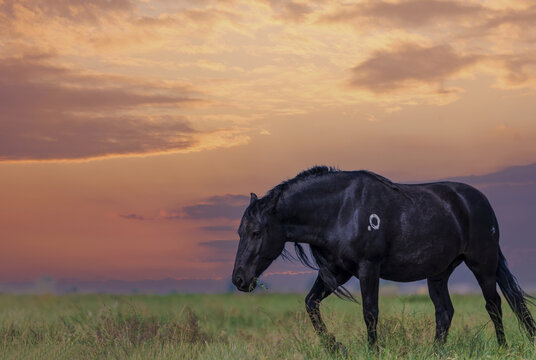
x: 236, y: 326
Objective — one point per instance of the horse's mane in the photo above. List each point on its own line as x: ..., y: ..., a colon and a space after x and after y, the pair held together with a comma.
x: 304, y: 175
x: 316, y: 171
x: 301, y: 254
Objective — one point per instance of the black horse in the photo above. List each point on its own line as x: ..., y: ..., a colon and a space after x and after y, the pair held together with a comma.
x: 358, y: 223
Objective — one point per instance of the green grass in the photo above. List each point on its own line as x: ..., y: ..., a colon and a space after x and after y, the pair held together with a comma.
x: 236, y: 326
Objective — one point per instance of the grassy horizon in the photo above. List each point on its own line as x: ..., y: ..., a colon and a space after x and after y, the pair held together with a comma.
x: 237, y: 326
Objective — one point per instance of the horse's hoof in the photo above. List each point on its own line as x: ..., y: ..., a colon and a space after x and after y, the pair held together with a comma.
x: 340, y: 349
x: 337, y: 348
x: 334, y: 347
x: 374, y: 348
x: 440, y: 341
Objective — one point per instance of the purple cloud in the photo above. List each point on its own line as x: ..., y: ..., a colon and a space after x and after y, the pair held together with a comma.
x: 219, y: 228
x: 220, y: 250
x: 229, y: 206
x: 132, y: 217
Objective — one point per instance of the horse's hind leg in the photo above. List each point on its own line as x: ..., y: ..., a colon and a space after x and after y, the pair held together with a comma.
x: 444, y: 311
x: 487, y: 279
x: 439, y: 293
x: 319, y: 292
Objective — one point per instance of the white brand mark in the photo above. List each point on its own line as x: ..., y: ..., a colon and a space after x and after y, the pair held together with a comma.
x: 374, y: 221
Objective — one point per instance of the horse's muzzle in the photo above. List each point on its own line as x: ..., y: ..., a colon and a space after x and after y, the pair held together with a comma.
x: 243, y: 285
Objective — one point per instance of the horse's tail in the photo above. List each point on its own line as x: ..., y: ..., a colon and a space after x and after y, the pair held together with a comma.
x: 516, y: 297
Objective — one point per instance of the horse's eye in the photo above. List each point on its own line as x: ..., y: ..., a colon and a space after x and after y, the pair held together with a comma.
x: 256, y: 233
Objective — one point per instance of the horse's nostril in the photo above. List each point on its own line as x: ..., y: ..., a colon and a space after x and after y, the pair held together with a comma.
x: 239, y: 282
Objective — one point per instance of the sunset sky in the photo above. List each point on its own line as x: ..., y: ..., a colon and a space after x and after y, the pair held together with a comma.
x: 132, y: 132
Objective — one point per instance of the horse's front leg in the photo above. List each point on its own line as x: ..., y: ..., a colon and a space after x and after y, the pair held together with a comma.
x: 369, y: 279
x: 312, y: 303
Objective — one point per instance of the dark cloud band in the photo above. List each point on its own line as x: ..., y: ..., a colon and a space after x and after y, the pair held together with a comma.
x: 229, y: 206
x: 53, y: 113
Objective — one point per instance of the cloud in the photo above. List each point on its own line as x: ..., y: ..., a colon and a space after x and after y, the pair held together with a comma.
x: 74, y: 10
x: 220, y: 250
x: 51, y: 120
x: 516, y: 17
x: 220, y: 244
x: 229, y: 206
x: 389, y: 70
x: 403, y: 13
x: 198, y: 17
x: 132, y: 217
x: 519, y: 70
x: 219, y: 228
x: 31, y: 82
x: 51, y: 112
x: 56, y: 136
x: 95, y: 28
x: 289, y: 9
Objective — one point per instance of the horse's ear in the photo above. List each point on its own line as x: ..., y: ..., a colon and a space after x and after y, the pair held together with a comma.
x: 273, y: 200
x: 253, y: 198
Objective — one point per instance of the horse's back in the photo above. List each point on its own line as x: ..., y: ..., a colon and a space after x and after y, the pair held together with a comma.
x: 469, y: 205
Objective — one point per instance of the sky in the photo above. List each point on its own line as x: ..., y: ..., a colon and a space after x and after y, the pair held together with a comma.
x: 132, y: 132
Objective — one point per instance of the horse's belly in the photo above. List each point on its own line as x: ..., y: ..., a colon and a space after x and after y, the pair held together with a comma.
x: 405, y: 272
x: 426, y: 242
x: 420, y: 259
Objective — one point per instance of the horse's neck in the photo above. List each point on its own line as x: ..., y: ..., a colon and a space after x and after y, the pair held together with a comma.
x: 305, y: 218
x: 302, y: 234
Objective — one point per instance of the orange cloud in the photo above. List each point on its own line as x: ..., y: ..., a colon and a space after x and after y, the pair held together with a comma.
x: 51, y: 112
x: 197, y: 17
x: 387, y: 71
x: 289, y: 9
x: 404, y: 13
x: 73, y: 10
x: 515, y: 17
x: 521, y: 69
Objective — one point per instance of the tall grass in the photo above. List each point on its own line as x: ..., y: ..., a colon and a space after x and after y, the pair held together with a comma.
x: 236, y: 326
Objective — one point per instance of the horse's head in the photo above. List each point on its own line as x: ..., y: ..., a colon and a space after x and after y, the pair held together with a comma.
x: 261, y: 242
